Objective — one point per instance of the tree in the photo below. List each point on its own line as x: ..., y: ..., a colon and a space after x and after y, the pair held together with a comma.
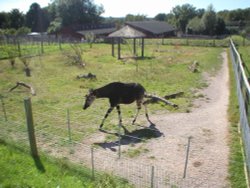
x: 195, y: 26
x: 51, y: 10
x: 235, y: 20
x: 36, y: 19
x: 11, y: 49
x: 16, y: 19
x: 161, y: 17
x: 220, y: 27
x: 23, y: 31
x: 90, y: 37
x: 4, y: 20
x: 138, y: 17
x: 182, y: 15
x: 55, y: 26
x: 209, y: 20
x: 200, y: 12
x: 78, y: 11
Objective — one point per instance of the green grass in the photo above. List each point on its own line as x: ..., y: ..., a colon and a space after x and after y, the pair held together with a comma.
x: 240, y: 41
x: 245, y: 55
x: 131, y: 152
x: 236, y: 167
x: 19, y: 169
x: 163, y: 71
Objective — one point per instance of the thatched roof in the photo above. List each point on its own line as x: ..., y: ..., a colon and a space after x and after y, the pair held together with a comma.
x: 101, y: 31
x: 127, y: 32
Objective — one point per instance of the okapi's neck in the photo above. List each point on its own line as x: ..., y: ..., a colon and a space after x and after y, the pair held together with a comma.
x: 101, y: 93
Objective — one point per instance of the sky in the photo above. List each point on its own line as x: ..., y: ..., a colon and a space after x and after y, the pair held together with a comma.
x: 120, y: 8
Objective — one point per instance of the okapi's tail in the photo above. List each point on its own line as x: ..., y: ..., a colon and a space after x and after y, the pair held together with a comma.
x: 155, y: 98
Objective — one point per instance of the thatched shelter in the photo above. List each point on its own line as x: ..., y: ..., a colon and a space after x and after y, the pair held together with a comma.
x: 141, y: 30
x: 128, y: 33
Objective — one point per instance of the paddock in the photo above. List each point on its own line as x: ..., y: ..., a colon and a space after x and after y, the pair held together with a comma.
x: 181, y: 150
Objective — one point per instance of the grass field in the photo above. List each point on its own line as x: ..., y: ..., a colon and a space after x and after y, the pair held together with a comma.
x: 245, y: 55
x: 18, y: 169
x: 163, y: 71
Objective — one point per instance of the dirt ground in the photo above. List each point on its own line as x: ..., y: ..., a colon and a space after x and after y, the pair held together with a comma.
x: 206, y: 127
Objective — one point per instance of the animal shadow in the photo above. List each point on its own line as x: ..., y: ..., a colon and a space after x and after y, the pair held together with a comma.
x: 136, y: 136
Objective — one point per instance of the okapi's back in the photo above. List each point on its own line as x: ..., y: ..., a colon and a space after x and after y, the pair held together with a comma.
x: 124, y: 92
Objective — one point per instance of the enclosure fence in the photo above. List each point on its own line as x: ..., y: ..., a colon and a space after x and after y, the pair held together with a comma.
x: 61, y: 134
x: 243, y: 92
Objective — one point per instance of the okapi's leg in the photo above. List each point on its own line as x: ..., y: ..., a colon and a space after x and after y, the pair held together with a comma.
x: 138, y: 110
x: 119, y: 114
x: 106, y: 115
x: 146, y: 111
x: 120, y: 119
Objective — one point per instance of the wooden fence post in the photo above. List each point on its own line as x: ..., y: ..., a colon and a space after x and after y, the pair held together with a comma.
x: 134, y: 46
x: 60, y: 42
x: 119, y: 48
x: 42, y: 50
x: 4, y: 110
x: 142, y: 47
x: 113, y: 47
x: 30, y: 126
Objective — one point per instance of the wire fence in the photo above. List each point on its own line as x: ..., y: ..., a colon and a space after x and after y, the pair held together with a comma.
x: 63, y: 133
x: 243, y: 91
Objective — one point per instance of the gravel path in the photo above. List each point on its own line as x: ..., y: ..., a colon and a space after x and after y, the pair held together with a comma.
x: 207, y: 128
x: 207, y: 125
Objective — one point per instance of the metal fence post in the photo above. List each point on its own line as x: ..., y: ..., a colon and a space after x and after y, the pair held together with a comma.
x: 30, y: 126
x: 152, y: 176
x: 68, y: 123
x: 187, y: 156
x: 4, y: 110
x: 92, y: 163
x: 119, y: 147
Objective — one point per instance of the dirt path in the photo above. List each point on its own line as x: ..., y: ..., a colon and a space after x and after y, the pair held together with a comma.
x: 206, y: 126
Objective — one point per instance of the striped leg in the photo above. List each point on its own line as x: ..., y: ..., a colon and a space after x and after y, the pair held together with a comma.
x: 106, y: 115
x: 119, y: 114
x: 138, y: 110
x: 120, y: 119
x: 146, y: 111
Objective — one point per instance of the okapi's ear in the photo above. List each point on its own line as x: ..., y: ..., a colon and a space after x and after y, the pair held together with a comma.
x: 91, y: 90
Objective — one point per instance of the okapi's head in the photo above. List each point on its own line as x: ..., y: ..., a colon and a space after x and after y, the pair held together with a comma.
x: 89, y: 99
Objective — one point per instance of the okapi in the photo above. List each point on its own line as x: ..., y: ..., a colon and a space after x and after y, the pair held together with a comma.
x: 122, y: 93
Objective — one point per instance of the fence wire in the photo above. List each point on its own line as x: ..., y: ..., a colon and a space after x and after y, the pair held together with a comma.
x: 243, y: 91
x: 71, y: 134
